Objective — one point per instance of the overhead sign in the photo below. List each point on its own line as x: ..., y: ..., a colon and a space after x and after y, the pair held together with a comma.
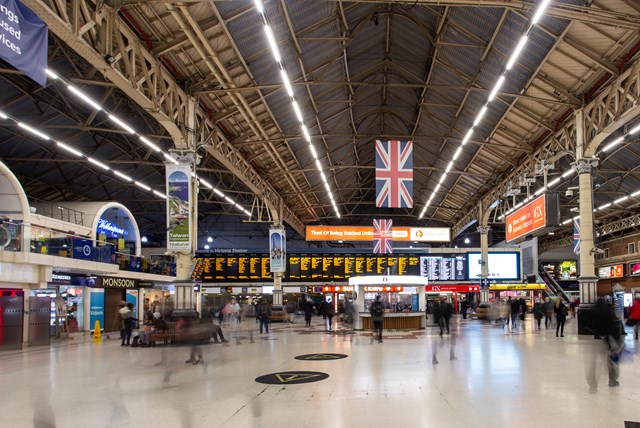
x: 365, y: 233
x: 336, y: 288
x: 527, y: 219
x: 23, y: 40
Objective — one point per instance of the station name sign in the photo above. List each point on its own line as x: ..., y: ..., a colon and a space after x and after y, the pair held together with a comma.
x: 365, y: 233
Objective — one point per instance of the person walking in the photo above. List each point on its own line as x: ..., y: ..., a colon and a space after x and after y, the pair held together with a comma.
x: 117, y: 323
x: 604, y: 324
x: 547, y: 308
x: 377, y: 316
x: 464, y: 307
x: 129, y: 323
x: 438, y: 316
x: 634, y: 315
x: 561, y: 316
x: 538, y: 313
x: 308, y: 312
x: 264, y: 312
x: 515, y: 310
x: 447, y: 311
x: 328, y: 311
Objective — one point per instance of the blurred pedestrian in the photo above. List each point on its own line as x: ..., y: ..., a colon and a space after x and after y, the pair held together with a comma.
x: 263, y: 311
x: 515, y: 310
x: 561, y: 316
x: 129, y: 321
x: 308, y: 312
x: 634, y: 315
x: 447, y: 311
x: 547, y: 308
x: 604, y: 324
x: 538, y: 313
x: 328, y: 312
x: 117, y: 323
x: 377, y: 316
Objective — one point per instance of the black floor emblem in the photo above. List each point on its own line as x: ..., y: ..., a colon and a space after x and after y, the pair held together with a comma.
x: 288, y: 378
x: 320, y: 357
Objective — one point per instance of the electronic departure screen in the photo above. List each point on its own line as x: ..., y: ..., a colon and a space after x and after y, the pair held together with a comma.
x: 443, y: 268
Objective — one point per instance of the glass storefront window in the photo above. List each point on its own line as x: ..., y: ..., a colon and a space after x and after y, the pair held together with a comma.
x: 393, y: 302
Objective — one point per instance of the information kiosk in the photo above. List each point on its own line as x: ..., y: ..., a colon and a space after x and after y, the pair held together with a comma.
x: 403, y: 297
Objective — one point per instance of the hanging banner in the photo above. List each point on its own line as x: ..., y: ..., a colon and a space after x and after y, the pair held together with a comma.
x: 178, y: 207
x: 576, y: 236
x: 23, y: 40
x: 277, y: 249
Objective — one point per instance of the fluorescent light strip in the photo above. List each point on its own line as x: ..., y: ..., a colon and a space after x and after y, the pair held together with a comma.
x: 613, y: 144
x: 326, y: 185
x: 305, y: 131
x: 259, y: 6
x: 568, y: 173
x: 228, y: 199
x: 296, y: 109
x: 219, y: 193
x: 3, y: 116
x: 318, y: 165
x: 98, y: 163
x: 162, y: 195
x: 496, y: 88
x: 142, y: 185
x: 84, y: 97
x: 313, y: 151
x: 634, y: 130
x: 69, y: 149
x: 622, y: 199
x: 123, y: 176
x: 567, y: 221
x: 170, y: 158
x: 553, y: 182
x: 517, y: 52
x: 272, y: 43
x: 539, y: 191
x: 601, y: 207
x: 437, y: 188
x: 479, y: 117
x: 121, y: 124
x: 540, y: 11
x: 150, y: 144
x: 449, y: 167
x: 34, y: 131
x: 442, y: 178
x: 633, y: 195
x: 456, y: 154
x: 206, y: 183
x: 51, y: 74
x: 239, y: 207
x: 323, y: 176
x: 286, y: 81
x: 467, y: 137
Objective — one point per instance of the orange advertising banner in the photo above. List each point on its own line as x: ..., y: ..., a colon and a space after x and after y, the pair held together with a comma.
x: 365, y: 233
x: 527, y: 219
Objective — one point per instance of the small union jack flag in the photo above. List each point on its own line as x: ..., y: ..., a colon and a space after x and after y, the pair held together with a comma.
x: 394, y: 174
x: 576, y: 236
x: 382, y: 237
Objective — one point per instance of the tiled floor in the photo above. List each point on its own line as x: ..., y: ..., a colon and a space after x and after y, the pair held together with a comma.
x: 499, y: 379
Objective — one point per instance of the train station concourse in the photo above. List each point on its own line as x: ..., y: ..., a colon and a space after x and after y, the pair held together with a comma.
x: 260, y: 213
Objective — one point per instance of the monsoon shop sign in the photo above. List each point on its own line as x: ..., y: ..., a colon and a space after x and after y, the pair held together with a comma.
x: 23, y: 40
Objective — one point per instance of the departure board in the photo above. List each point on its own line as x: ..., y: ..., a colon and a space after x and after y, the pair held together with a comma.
x: 381, y: 266
x: 408, y: 265
x: 443, y: 268
x: 371, y: 265
x: 255, y: 267
x: 338, y: 267
x: 327, y: 267
x: 243, y: 267
x: 294, y: 267
x: 360, y: 266
x: 305, y: 267
x: 232, y: 267
x: 220, y: 272
x: 316, y: 267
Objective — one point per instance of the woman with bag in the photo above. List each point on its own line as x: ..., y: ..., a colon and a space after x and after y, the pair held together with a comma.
x: 634, y: 316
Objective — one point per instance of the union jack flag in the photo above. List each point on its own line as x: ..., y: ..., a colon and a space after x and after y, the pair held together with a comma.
x: 394, y: 174
x: 382, y: 237
x: 576, y: 236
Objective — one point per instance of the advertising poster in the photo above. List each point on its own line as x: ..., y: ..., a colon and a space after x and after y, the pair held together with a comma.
x: 277, y: 249
x: 178, y: 207
x: 23, y: 40
x: 634, y: 269
x: 82, y: 249
x: 96, y: 310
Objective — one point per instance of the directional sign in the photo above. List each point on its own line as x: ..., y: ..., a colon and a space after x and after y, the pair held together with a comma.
x: 321, y: 357
x: 289, y: 378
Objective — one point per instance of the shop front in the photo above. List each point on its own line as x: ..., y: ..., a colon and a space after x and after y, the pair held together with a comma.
x: 213, y: 299
x: 529, y: 292
x: 105, y: 294
x: 455, y: 294
x: 402, y: 296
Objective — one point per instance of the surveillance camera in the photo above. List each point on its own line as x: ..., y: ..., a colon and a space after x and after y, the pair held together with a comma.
x: 596, y: 250
x: 568, y: 193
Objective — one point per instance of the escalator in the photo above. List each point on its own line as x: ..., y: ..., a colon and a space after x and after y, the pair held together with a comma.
x: 553, y: 289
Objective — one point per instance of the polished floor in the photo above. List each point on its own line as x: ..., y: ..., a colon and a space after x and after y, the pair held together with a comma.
x: 492, y: 377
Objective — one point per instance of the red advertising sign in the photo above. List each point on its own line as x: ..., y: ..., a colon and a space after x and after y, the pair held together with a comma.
x: 527, y: 219
x: 455, y: 288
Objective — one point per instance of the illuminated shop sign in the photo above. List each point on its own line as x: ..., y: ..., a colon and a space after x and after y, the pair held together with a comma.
x: 336, y: 288
x: 615, y: 271
x: 452, y: 288
x: 105, y: 227
x: 384, y: 289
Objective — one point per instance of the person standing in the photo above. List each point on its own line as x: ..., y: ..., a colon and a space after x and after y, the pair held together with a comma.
x: 328, y: 312
x: 437, y: 315
x: 447, y: 311
x: 377, y: 316
x: 308, y: 312
x: 117, y: 324
x: 561, y: 316
x: 129, y: 322
x: 634, y: 315
x: 465, y: 307
x: 538, y: 313
x: 515, y: 310
x: 264, y: 312
x: 547, y: 308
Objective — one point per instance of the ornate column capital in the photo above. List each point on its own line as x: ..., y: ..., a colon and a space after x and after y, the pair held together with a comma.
x: 483, y: 230
x: 585, y: 165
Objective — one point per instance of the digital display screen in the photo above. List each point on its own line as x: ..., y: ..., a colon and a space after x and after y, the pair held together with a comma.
x: 634, y: 269
x: 615, y: 271
x: 500, y: 266
x: 443, y: 268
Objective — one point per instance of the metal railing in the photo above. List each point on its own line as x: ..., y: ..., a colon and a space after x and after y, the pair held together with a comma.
x: 56, y: 211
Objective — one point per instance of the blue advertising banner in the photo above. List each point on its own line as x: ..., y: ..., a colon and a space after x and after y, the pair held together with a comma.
x: 96, y: 310
x: 179, y: 207
x: 23, y: 40
x: 82, y: 249
x: 277, y: 249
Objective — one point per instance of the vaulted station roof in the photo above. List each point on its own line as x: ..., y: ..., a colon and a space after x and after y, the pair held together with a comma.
x: 360, y: 71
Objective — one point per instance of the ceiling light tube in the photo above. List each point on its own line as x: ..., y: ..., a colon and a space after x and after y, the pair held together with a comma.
x: 467, y: 136
x: 324, y: 177
x: 51, y: 74
x: 496, y: 88
x: 449, y: 167
x: 219, y: 193
x: 142, y: 185
x: 162, y: 195
x: 247, y: 213
x: 259, y: 6
x: 331, y: 197
x: 601, y: 207
x: 553, y: 182
x: 121, y: 124
x: 567, y: 173
x: 170, y: 158
x: 442, y: 178
x: 479, y: 117
x: 121, y: 175
x: 272, y: 43
x: 34, y: 131
x: 613, y: 144
x: 239, y: 207
x: 150, y: 144
x: 540, y: 11
x: 436, y: 188
x: 633, y: 195
x: 206, y: 183
x: 287, y: 82
x: 566, y: 221
x: 228, y: 199
x: 635, y: 130
x: 457, y: 153
x: 305, y: 131
x: 622, y: 199
x: 313, y: 151
x: 539, y: 191
x: 3, y: 116
x: 516, y: 53
x: 318, y: 165
x: 69, y: 149
x: 575, y: 217
x: 326, y: 185
x: 84, y: 98
x: 296, y: 109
